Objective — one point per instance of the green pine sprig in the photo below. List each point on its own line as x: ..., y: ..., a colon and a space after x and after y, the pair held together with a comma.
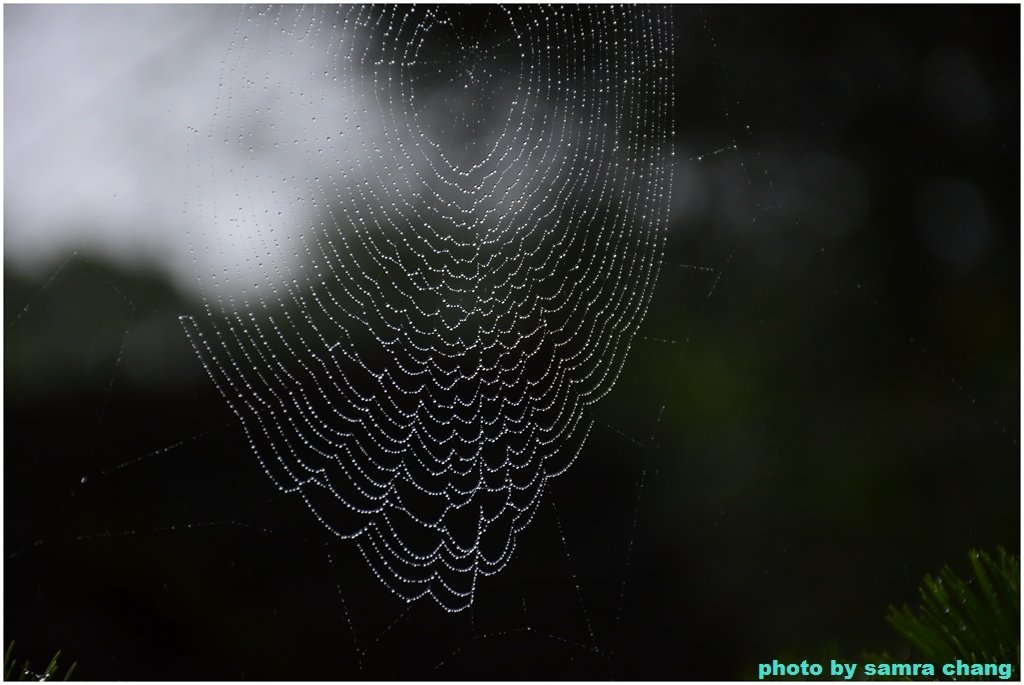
x: 12, y: 671
x: 975, y: 620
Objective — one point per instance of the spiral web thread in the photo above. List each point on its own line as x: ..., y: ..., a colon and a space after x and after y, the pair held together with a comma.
x: 440, y: 264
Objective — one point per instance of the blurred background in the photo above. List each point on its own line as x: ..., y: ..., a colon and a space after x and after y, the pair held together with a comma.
x: 821, y: 406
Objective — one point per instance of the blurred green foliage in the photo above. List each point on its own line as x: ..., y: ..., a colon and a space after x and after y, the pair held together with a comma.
x: 68, y: 325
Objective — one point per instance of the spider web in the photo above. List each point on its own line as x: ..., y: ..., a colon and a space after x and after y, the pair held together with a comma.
x: 479, y: 268
x: 471, y: 270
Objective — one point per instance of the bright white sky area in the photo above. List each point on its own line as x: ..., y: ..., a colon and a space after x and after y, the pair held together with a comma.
x: 108, y: 111
x: 98, y: 101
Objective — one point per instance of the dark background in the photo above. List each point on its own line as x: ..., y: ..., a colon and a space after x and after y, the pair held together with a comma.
x: 841, y: 406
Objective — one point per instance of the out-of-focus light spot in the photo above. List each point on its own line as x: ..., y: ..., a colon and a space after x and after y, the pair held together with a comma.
x: 955, y: 93
x: 952, y: 220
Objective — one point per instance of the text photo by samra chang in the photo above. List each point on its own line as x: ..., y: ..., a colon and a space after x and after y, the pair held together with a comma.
x: 837, y: 670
